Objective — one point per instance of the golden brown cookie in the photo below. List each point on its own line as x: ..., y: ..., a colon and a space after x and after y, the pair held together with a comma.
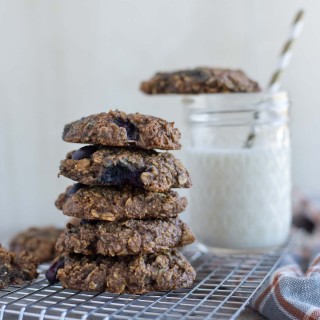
x: 124, y: 238
x: 40, y: 241
x: 200, y: 80
x: 130, y: 274
x: 16, y: 268
x: 118, y: 129
x: 148, y: 169
x: 119, y: 203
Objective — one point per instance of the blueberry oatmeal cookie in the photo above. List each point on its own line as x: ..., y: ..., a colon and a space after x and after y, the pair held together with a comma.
x: 103, y: 166
x: 136, y: 274
x: 40, y: 241
x: 16, y: 268
x: 200, y: 80
x: 118, y: 129
x: 124, y: 238
x: 119, y: 203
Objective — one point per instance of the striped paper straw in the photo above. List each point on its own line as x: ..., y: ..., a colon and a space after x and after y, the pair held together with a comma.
x: 286, y: 52
x: 285, y: 57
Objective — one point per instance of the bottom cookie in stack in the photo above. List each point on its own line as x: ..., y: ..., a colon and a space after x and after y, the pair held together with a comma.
x: 161, y: 271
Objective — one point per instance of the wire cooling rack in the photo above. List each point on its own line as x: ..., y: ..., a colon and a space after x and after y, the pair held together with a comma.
x: 223, y: 287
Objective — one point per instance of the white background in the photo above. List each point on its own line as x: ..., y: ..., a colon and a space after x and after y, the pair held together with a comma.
x: 61, y: 60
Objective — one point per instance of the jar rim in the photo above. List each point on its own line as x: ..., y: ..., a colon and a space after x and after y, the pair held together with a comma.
x: 238, y: 109
x: 236, y: 102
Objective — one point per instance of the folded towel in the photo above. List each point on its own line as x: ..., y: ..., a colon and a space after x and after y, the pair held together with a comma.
x: 290, y: 293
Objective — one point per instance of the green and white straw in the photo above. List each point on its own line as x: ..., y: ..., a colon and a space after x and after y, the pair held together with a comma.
x: 284, y: 60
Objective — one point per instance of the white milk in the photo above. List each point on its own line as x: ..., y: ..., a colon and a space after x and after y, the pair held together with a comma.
x: 240, y: 198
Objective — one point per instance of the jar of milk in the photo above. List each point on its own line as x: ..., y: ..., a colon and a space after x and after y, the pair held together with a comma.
x: 239, y: 160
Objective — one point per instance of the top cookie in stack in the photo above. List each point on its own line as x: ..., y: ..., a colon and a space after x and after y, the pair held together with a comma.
x: 127, y: 240
x: 118, y: 129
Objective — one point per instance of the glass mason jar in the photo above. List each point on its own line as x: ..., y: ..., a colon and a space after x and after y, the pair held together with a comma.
x: 239, y: 160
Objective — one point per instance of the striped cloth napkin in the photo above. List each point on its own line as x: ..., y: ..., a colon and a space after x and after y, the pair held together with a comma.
x: 290, y: 293
x: 293, y: 291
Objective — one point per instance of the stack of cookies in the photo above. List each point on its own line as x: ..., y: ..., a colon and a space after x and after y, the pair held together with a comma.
x: 129, y: 232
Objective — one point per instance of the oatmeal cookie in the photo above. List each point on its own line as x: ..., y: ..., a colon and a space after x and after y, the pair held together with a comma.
x: 119, y: 203
x: 200, y: 80
x: 102, y: 166
x: 118, y: 129
x: 39, y: 241
x: 16, y: 268
x: 124, y: 238
x: 130, y: 274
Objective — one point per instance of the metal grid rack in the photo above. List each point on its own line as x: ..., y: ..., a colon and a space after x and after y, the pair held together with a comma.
x: 223, y: 287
